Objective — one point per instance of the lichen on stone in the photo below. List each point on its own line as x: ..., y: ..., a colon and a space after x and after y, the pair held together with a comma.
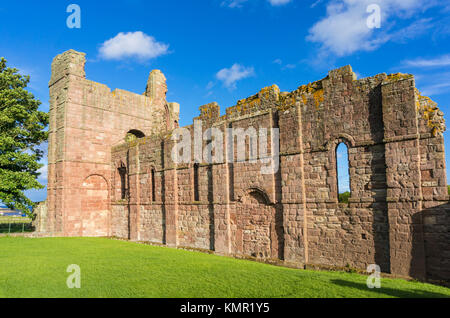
x: 129, y: 137
x: 314, y: 90
x: 255, y: 101
x: 397, y: 77
x: 287, y: 100
x: 431, y: 114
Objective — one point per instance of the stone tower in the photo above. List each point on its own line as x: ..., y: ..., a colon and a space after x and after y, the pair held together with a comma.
x: 86, y: 119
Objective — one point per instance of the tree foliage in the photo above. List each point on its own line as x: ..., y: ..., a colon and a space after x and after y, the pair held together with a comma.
x: 343, y: 197
x: 21, y: 132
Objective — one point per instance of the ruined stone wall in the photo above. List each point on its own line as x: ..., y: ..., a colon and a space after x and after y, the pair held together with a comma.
x: 397, y: 215
x: 435, y: 210
x: 40, y: 217
x: 396, y: 168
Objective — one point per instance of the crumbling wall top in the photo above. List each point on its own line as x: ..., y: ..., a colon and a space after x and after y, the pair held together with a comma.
x: 156, y: 87
x: 431, y: 115
x: 70, y: 62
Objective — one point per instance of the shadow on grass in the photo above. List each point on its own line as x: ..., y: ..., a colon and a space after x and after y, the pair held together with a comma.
x: 390, y: 291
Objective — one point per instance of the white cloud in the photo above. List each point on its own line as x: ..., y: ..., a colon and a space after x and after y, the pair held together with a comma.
x: 315, y: 3
x: 344, y: 30
x: 443, y: 60
x: 43, y: 171
x: 132, y: 44
x: 290, y: 66
x: 284, y: 67
x: 436, y: 89
x: 233, y: 3
x: 412, y: 31
x: 279, y: 2
x: 229, y: 76
x: 239, y: 3
x: 278, y: 61
x: 433, y: 82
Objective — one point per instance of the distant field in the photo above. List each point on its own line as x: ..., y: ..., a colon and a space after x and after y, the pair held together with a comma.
x: 111, y: 268
x: 10, y: 224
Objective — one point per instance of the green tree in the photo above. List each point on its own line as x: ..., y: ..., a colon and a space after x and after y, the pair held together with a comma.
x: 21, y: 132
x: 343, y: 197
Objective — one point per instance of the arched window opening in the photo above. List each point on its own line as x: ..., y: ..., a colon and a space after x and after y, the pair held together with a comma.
x: 196, y: 190
x: 123, y: 182
x: 343, y: 176
x: 259, y: 196
x: 134, y: 134
x: 153, y: 186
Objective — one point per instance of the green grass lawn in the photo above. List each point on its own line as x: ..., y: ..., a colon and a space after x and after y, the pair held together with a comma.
x: 111, y: 268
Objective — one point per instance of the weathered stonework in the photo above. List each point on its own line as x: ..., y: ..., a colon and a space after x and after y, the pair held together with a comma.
x: 103, y: 182
x: 40, y: 221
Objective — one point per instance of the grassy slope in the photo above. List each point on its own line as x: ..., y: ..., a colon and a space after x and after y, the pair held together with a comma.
x: 109, y: 268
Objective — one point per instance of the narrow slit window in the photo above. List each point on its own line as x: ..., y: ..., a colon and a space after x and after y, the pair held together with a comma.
x: 153, y: 185
x: 123, y: 182
x: 196, y: 190
x: 253, y: 150
x: 343, y: 177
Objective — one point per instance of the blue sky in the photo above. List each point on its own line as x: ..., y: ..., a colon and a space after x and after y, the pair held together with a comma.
x: 225, y: 50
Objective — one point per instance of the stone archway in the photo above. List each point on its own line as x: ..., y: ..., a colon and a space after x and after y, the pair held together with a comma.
x: 258, y: 229
x: 94, y: 206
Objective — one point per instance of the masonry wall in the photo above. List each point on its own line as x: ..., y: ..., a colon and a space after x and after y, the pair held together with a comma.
x: 397, y: 215
x: 86, y: 119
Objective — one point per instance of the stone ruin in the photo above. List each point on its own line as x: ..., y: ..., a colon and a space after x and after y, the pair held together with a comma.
x: 111, y: 173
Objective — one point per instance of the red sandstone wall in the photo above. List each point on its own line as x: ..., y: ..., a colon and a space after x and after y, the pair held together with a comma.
x: 87, y: 119
x: 397, y: 216
x: 294, y: 214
